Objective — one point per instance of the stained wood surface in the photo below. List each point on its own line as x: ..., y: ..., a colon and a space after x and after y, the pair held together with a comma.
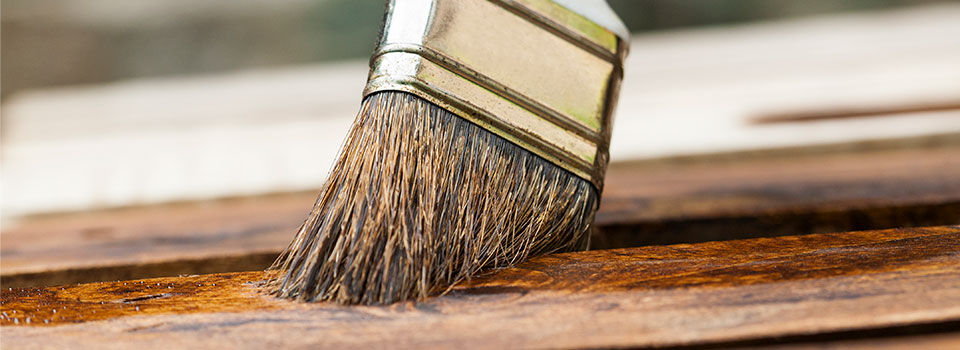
x: 689, y: 294
x: 168, y: 240
x: 662, y: 202
x: 940, y: 341
x: 796, y: 191
x: 945, y: 341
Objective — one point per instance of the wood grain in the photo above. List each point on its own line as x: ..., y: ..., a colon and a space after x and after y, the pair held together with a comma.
x: 141, y: 242
x: 730, y: 263
x: 657, y: 202
x: 791, y: 192
x: 945, y: 341
x: 679, y: 295
x: 105, y: 300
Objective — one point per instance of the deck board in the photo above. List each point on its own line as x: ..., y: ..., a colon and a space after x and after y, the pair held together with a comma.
x: 663, y: 202
x: 678, y: 295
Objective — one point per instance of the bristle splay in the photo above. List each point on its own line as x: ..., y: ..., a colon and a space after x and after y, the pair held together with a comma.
x: 420, y: 199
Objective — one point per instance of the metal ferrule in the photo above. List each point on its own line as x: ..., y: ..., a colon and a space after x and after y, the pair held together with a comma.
x: 530, y: 71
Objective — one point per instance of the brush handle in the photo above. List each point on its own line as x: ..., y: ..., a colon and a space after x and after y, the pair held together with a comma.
x: 599, y: 12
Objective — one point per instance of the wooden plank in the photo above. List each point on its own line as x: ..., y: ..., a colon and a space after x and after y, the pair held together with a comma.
x: 168, y: 240
x: 950, y: 340
x: 661, y: 202
x: 688, y: 294
x: 793, y: 191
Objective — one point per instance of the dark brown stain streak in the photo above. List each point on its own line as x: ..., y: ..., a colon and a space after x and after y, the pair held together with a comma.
x: 730, y: 263
x: 860, y: 112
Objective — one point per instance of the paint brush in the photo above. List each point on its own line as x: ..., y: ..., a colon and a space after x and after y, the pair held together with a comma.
x: 482, y: 140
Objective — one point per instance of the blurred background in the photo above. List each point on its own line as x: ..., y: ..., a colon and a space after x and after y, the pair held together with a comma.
x: 125, y: 119
x: 68, y: 42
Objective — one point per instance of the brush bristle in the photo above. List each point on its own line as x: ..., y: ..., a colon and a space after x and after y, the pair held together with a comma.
x: 421, y: 199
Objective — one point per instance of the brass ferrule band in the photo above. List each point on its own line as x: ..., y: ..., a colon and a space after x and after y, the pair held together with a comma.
x: 531, y: 71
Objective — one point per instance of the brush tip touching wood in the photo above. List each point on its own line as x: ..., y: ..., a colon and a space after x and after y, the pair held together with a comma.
x: 420, y: 199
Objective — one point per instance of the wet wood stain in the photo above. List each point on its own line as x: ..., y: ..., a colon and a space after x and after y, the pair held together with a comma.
x: 224, y: 292
x: 770, y: 261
